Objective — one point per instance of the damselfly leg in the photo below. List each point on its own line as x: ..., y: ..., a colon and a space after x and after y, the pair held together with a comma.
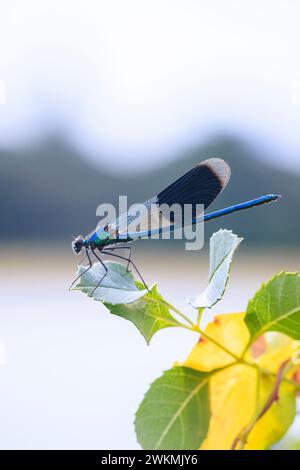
x: 105, y: 268
x: 87, y: 269
x: 121, y: 248
x: 107, y: 251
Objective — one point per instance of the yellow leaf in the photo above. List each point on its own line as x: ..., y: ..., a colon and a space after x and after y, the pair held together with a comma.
x: 274, y: 424
x: 279, y: 348
x: 232, y: 394
x: 231, y: 332
x: 258, y: 347
x: 234, y: 405
x: 238, y: 392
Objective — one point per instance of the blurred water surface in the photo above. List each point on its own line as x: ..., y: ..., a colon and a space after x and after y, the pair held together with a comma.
x: 75, y: 374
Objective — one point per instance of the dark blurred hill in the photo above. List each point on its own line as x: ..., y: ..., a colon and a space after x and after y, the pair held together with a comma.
x: 50, y: 191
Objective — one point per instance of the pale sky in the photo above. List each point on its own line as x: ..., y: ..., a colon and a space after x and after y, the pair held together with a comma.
x: 145, y: 79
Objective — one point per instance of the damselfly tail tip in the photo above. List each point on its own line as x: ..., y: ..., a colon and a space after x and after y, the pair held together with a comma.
x: 275, y: 197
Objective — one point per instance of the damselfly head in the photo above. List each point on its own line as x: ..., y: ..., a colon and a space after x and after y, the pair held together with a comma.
x: 77, y: 244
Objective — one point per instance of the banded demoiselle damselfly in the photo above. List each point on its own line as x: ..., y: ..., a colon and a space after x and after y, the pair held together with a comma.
x: 200, y: 185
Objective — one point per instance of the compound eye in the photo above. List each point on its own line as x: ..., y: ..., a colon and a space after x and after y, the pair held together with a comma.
x: 77, y: 245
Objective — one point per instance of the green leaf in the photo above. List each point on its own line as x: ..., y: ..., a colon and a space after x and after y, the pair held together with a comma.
x: 117, y: 287
x: 126, y: 298
x: 221, y: 250
x: 149, y: 314
x: 175, y: 412
x: 276, y: 307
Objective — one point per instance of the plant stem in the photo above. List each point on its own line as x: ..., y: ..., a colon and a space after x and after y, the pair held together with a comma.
x: 238, y: 359
x: 175, y: 310
x: 196, y: 329
x: 241, y: 360
x: 242, y: 437
x: 200, y: 311
x: 264, y: 371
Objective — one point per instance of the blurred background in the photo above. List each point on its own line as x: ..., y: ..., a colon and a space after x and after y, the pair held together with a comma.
x: 100, y: 99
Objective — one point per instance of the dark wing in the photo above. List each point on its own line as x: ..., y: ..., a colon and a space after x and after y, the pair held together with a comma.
x: 201, y: 185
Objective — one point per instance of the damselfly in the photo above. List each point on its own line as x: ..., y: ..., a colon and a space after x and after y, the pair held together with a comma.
x: 201, y: 185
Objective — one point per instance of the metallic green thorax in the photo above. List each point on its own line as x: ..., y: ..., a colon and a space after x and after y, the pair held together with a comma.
x: 104, y: 236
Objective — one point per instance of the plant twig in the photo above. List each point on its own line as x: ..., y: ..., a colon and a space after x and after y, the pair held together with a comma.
x: 196, y: 329
x: 175, y: 310
x: 272, y: 398
x: 264, y: 371
x: 216, y: 343
x: 238, y: 360
x: 199, y: 316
